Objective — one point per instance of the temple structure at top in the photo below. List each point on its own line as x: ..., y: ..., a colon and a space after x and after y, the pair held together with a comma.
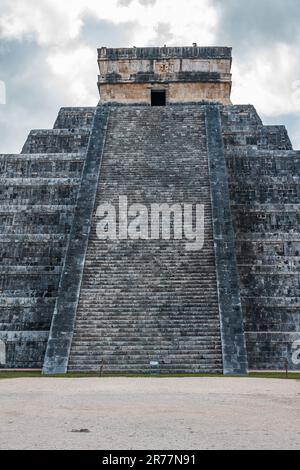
x: 165, y: 75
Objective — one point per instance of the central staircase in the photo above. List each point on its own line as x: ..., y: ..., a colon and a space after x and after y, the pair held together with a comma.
x: 150, y: 300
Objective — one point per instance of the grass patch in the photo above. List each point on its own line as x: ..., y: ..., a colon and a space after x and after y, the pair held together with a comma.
x: 275, y: 375
x: 17, y: 375
x: 33, y: 374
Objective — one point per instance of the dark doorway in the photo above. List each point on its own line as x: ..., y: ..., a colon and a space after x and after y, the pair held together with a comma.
x: 158, y: 97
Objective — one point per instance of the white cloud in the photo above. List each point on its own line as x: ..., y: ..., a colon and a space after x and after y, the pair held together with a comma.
x: 75, y: 72
x: 125, y: 3
x: 53, y: 22
x: 49, y: 22
x: 267, y: 79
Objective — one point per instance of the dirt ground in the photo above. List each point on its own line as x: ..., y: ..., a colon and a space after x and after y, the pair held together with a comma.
x: 149, y: 413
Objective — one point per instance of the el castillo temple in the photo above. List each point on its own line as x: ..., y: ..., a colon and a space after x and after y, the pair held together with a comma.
x: 165, y: 132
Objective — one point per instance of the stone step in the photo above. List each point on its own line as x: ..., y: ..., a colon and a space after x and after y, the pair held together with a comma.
x: 182, y: 369
x: 153, y: 342
x: 206, y: 361
x: 131, y: 289
x: 145, y: 322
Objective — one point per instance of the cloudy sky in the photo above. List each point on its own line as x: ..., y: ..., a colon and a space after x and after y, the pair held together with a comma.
x: 48, y: 53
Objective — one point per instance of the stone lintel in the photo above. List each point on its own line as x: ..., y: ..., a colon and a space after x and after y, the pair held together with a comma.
x: 165, y: 53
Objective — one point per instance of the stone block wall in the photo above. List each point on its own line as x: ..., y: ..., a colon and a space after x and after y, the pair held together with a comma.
x: 264, y: 187
x: 175, y: 92
x: 75, y: 118
x: 243, y: 127
x: 38, y: 192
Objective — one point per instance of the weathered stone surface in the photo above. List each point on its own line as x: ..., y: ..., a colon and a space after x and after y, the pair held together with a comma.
x: 57, y: 141
x: 61, y: 333
x: 149, y: 53
x: 151, y: 300
x: 38, y: 193
x: 140, y: 93
x: 243, y: 127
x: 36, y: 211
x: 265, y: 192
x: 231, y: 317
x: 75, y: 118
x: 186, y: 74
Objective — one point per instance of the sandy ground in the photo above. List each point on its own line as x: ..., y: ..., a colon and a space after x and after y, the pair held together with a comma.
x: 150, y: 413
